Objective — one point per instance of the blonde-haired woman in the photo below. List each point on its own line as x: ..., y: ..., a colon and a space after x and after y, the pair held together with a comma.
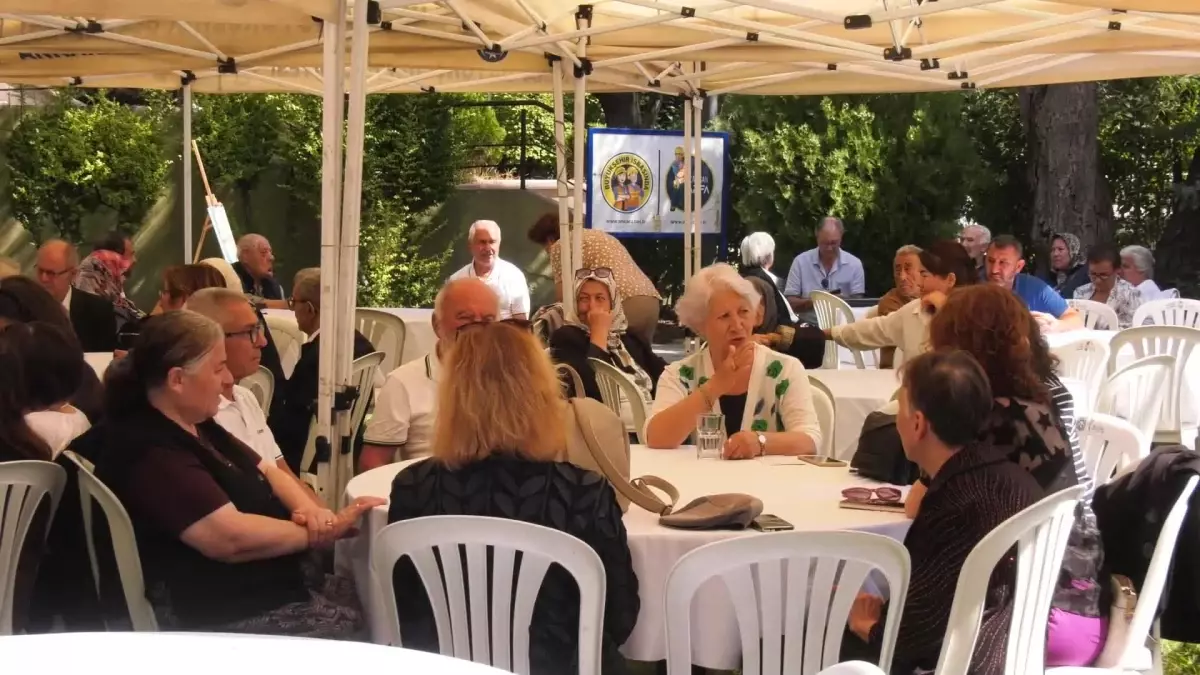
x: 501, y: 428
x: 764, y: 395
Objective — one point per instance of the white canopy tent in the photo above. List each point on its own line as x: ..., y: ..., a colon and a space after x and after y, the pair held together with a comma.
x: 692, y: 49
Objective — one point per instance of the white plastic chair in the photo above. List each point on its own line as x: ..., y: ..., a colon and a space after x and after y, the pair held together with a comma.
x: 471, y: 625
x: 1040, y: 535
x: 363, y: 372
x: 1136, y: 392
x: 1173, y: 312
x: 853, y: 668
x: 262, y: 385
x: 615, y: 385
x: 826, y: 411
x: 124, y: 543
x: 1110, y: 445
x: 1084, y: 359
x: 1096, y: 315
x: 386, y: 331
x: 833, y: 311
x: 791, y: 594
x: 570, y: 380
x: 1175, y: 341
x: 1131, y: 655
x: 24, y: 485
x: 288, y: 339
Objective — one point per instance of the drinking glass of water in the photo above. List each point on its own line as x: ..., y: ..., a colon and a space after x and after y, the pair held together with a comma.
x: 710, y: 436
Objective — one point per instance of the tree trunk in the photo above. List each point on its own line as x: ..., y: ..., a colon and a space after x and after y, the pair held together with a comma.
x: 624, y: 111
x: 1176, y: 250
x: 1070, y: 192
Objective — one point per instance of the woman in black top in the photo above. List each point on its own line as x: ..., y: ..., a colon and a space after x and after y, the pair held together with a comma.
x: 223, y: 535
x: 600, y: 332
x: 501, y: 427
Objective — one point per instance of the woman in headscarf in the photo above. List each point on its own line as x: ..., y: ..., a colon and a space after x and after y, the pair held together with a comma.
x: 599, y: 331
x: 103, y: 273
x: 1068, y: 268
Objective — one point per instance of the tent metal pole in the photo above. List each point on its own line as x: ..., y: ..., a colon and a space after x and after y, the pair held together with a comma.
x: 560, y: 172
x: 347, y: 283
x: 332, y: 113
x: 687, y: 190
x: 186, y: 157
x: 697, y: 176
x: 583, y: 19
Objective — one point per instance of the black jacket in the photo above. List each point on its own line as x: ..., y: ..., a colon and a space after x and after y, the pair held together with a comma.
x: 572, y: 346
x: 269, y: 288
x: 1130, y: 511
x: 783, y: 314
x: 94, y: 321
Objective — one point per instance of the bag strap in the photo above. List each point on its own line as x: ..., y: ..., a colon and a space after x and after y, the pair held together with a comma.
x: 638, y: 490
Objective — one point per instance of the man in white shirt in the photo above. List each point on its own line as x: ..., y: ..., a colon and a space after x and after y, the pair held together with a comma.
x: 402, y: 424
x: 1137, y: 267
x: 505, y: 278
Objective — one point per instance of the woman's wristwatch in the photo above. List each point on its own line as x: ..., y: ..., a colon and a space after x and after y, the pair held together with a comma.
x: 762, y: 444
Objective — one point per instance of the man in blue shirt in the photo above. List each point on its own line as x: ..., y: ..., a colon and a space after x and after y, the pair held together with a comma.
x: 825, y: 268
x: 1005, y: 260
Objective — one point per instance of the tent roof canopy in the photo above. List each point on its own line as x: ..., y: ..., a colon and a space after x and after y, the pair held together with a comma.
x: 741, y: 46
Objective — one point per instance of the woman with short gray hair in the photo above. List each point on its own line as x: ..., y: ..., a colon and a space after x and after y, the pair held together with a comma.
x: 758, y: 255
x: 764, y: 395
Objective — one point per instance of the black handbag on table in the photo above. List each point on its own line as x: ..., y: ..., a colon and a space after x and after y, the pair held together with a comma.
x: 880, y: 455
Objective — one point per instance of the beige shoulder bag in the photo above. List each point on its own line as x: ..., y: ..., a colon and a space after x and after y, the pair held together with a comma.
x: 638, y: 490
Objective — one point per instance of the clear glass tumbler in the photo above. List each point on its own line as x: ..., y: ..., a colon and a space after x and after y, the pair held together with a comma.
x: 710, y: 436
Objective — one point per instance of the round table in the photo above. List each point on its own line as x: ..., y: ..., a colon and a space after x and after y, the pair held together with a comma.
x: 418, y: 326
x: 804, y: 495
x: 211, y: 654
x: 856, y: 394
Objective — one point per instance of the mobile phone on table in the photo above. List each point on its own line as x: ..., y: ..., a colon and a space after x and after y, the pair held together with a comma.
x: 821, y: 460
x: 769, y: 522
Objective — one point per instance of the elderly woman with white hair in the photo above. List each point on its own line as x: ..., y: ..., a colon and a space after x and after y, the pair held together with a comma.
x: 1137, y: 267
x: 764, y: 395
x: 758, y: 255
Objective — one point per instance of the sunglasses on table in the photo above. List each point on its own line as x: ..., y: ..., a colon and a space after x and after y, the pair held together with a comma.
x: 519, y: 324
x: 863, y: 494
x: 597, y: 272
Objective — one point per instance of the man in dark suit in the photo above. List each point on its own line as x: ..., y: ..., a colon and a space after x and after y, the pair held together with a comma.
x: 297, y: 396
x: 92, y: 317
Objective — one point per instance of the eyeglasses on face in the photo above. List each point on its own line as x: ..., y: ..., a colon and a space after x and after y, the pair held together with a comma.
x: 825, y: 283
x: 43, y: 272
x: 597, y: 272
x: 862, y: 494
x: 519, y: 324
x: 259, y: 330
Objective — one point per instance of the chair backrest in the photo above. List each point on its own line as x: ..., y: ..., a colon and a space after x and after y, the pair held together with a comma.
x: 124, y: 543
x: 386, y: 331
x: 823, y: 403
x: 570, y: 379
x: 23, y: 487
x: 1136, y: 392
x: 1039, y: 534
x: 1170, y: 312
x: 791, y: 595
x: 1084, y: 359
x: 1175, y: 341
x: 288, y: 340
x: 262, y: 385
x: 833, y: 311
x: 363, y: 372
x: 1096, y: 315
x: 1110, y: 445
x: 1156, y: 575
x: 853, y: 668
x: 615, y: 383
x: 471, y: 624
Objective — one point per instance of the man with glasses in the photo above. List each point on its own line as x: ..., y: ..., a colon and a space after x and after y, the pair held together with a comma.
x: 1005, y: 261
x: 825, y: 268
x: 92, y: 317
x: 1104, y: 265
x: 297, y: 395
x: 402, y: 425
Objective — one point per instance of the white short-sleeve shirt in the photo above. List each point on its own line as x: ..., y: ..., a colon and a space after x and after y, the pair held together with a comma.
x: 508, y: 281
x: 406, y: 408
x: 243, y: 418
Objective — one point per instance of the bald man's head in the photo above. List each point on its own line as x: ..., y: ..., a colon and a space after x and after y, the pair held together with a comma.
x: 254, y: 252
x: 462, y: 302
x: 57, y: 266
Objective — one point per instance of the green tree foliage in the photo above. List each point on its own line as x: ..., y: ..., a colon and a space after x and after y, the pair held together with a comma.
x: 1180, y: 658
x: 72, y: 160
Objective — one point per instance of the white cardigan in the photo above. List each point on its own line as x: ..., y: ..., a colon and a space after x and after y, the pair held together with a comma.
x: 778, y: 399
x: 907, y: 329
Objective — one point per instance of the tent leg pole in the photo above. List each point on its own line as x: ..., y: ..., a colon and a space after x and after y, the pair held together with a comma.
x: 186, y: 157
x: 565, y: 246
x: 698, y: 184
x: 332, y: 114
x: 583, y: 21
x: 687, y: 191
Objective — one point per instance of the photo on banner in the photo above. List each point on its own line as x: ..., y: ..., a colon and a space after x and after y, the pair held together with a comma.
x: 637, y: 182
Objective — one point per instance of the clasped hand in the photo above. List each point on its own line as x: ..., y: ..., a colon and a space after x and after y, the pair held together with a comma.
x: 733, y: 370
x: 325, y: 527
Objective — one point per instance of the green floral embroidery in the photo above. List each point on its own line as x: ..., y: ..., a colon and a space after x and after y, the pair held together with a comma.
x: 759, y: 425
x: 774, y: 369
x: 782, y: 387
x: 687, y: 373
x: 703, y: 380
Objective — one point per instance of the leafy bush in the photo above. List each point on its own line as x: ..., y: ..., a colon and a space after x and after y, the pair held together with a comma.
x: 1180, y: 658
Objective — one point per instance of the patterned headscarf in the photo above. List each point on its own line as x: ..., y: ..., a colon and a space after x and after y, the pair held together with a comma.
x: 616, y: 346
x: 1074, y: 253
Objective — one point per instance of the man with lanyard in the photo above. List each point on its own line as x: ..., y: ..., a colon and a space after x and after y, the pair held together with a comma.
x: 1005, y: 260
x: 403, y: 422
x: 825, y: 268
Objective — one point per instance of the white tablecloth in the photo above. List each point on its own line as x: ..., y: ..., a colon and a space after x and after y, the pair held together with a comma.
x: 418, y: 324
x: 856, y: 394
x: 98, y: 361
x: 215, y: 654
x: 802, y: 494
